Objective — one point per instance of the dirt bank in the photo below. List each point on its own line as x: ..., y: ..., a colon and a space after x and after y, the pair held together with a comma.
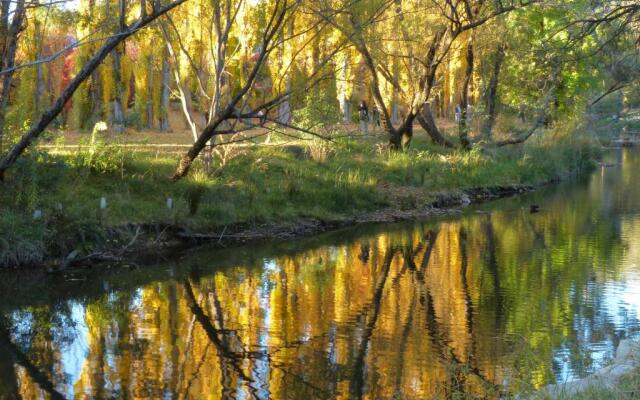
x: 152, y: 239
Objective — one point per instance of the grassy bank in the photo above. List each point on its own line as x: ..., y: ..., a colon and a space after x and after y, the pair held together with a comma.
x: 254, y: 185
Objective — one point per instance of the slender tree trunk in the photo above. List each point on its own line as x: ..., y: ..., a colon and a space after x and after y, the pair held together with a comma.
x: 97, y: 112
x: 118, y: 84
x: 188, y: 102
x: 463, y: 127
x: 117, y: 116
x: 8, y: 61
x: 183, y: 90
x: 95, y: 87
x: 386, y: 120
x: 345, y: 105
x: 40, y: 85
x: 346, y: 110
x: 150, y: 85
x: 315, y: 59
x: 164, y: 93
x: 39, y: 93
x: 492, y: 93
x: 284, y: 109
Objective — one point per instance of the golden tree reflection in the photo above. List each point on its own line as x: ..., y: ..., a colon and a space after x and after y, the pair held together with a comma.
x: 475, y: 305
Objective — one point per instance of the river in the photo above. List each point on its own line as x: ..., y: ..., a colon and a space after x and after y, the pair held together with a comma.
x: 492, y: 301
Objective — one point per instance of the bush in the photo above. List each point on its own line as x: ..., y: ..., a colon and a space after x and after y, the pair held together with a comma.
x: 318, y: 112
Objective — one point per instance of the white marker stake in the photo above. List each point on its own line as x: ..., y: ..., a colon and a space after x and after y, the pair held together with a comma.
x: 169, y: 203
x: 103, y: 203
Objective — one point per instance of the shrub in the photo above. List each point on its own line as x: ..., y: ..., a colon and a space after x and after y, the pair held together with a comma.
x: 318, y: 112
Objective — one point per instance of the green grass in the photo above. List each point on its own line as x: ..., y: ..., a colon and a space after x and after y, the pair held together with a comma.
x: 258, y: 185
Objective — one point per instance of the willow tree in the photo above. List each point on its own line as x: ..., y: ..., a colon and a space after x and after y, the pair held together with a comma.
x: 428, y: 30
x: 232, y: 103
x: 90, y: 18
x: 126, y: 30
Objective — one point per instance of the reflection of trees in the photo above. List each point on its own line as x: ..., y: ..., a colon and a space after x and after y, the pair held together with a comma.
x: 216, y: 334
x: 40, y: 378
x: 358, y: 380
x: 458, y: 370
x: 414, y: 313
x: 492, y: 267
x: 222, y: 339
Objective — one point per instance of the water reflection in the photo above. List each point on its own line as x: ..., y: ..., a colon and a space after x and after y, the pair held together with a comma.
x: 493, y: 302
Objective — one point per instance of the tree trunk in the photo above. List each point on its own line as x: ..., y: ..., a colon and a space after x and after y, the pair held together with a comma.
x: 400, y: 138
x: 95, y: 87
x: 492, y: 93
x: 150, y: 80
x: 39, y: 93
x: 118, y: 83
x: 183, y: 90
x: 315, y: 60
x: 346, y: 110
x: 97, y: 112
x: 284, y: 109
x: 40, y: 86
x: 394, y: 112
x: 345, y: 105
x: 117, y: 117
x: 8, y: 61
x: 428, y: 123
x: 463, y: 127
x: 164, y: 94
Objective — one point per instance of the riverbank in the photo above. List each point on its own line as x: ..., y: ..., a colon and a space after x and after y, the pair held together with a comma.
x: 63, y: 208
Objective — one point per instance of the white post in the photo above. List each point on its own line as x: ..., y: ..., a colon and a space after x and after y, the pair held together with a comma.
x: 103, y: 203
x: 169, y: 203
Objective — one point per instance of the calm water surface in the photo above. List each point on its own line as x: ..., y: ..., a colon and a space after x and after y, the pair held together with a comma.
x: 487, y: 303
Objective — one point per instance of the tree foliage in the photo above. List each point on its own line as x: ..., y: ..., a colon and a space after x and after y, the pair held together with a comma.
x: 229, y: 66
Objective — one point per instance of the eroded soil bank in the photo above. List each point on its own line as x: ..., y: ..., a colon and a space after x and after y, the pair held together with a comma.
x: 150, y: 239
